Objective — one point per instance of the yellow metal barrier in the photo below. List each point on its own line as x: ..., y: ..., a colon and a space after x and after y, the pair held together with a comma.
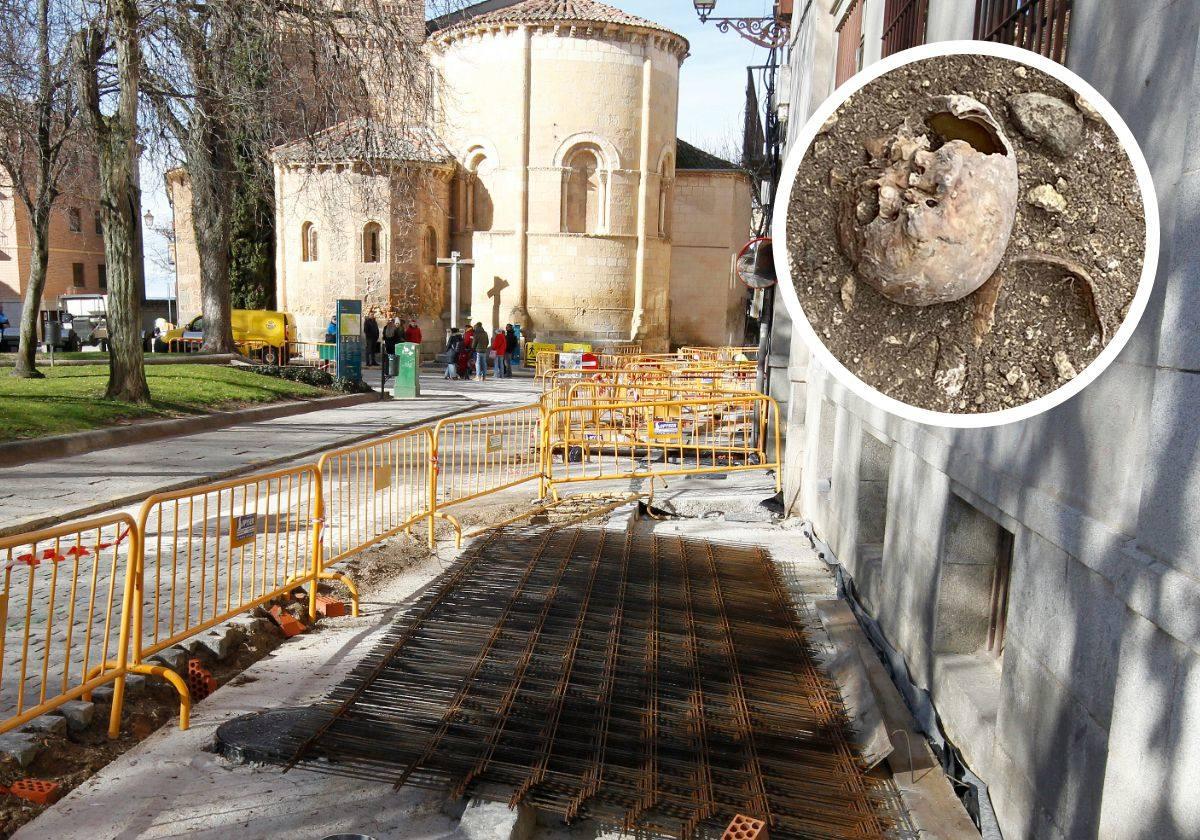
x: 375, y: 490
x: 480, y: 454
x: 213, y: 552
x: 606, y: 441
x: 65, y: 613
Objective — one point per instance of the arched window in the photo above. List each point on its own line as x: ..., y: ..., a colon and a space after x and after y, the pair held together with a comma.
x: 429, y: 247
x: 479, y: 210
x: 584, y: 182
x: 372, y: 243
x: 308, y: 242
x: 666, y: 180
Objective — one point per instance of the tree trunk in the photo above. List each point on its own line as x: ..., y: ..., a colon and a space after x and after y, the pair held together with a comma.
x: 26, y: 366
x: 120, y: 200
x: 210, y: 169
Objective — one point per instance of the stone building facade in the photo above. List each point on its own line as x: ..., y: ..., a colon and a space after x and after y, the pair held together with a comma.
x: 1084, y: 722
x: 554, y: 168
x: 77, y: 262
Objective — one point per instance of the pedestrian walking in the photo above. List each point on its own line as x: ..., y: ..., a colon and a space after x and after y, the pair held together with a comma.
x: 479, y: 343
x: 371, y: 336
x: 499, y: 347
x: 511, y: 348
x: 453, y: 347
x: 3, y: 334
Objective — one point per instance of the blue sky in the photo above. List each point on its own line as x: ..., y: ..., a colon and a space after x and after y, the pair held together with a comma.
x: 712, y: 89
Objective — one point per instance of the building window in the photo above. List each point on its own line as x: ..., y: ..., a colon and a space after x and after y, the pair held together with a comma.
x: 1042, y: 26
x: 584, y: 198
x: 998, y: 612
x: 77, y: 275
x: 874, y: 473
x: 849, y: 42
x: 74, y: 220
x: 472, y: 195
x: 904, y: 24
x: 429, y: 247
x: 973, y: 587
x: 308, y: 242
x: 99, y: 223
x: 371, y: 242
x: 102, y: 275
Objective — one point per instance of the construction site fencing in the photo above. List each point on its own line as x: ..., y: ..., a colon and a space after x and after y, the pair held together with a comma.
x: 648, y: 439
x: 87, y: 603
x: 376, y: 490
x: 478, y: 454
x: 311, y: 354
x: 65, y: 615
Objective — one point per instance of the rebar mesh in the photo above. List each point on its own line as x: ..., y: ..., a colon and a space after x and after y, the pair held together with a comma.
x: 657, y: 684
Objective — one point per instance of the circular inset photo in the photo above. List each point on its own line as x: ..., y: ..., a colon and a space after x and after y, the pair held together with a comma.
x: 966, y: 234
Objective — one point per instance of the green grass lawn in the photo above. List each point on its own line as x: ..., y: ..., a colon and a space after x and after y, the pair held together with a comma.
x: 71, y: 399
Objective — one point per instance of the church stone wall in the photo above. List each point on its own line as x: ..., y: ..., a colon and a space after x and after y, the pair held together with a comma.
x: 584, y: 89
x: 340, y: 201
x: 710, y: 224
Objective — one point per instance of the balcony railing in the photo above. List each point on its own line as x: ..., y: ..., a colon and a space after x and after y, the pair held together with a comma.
x: 904, y: 24
x: 1042, y: 26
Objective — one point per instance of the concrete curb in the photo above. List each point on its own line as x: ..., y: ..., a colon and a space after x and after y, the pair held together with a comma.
x: 244, y: 469
x: 163, y: 359
x: 18, y: 452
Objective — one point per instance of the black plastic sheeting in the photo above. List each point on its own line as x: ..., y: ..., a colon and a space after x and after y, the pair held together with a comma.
x: 970, y: 788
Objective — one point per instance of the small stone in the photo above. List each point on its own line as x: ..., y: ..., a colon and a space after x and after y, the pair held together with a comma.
x: 1020, y: 72
x: 1013, y: 376
x: 175, y: 658
x: 979, y: 400
x: 78, y: 714
x: 48, y: 724
x: 924, y: 83
x: 849, y: 286
x: 218, y: 642
x: 135, y: 684
x: 1045, y: 300
x: 951, y: 372
x: 1048, y: 121
x: 1087, y: 109
x: 20, y: 747
x: 831, y: 122
x: 1062, y: 364
x: 1047, y: 198
x: 496, y: 821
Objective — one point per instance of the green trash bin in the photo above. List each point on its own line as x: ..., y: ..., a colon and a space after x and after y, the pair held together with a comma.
x: 405, y: 370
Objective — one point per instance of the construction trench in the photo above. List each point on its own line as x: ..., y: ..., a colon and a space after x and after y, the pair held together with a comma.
x: 655, y: 684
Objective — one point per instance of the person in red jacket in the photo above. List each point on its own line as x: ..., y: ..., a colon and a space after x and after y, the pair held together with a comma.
x: 412, y: 335
x: 499, y: 348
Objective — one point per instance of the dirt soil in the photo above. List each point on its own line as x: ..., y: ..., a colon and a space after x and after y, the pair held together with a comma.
x: 72, y: 758
x: 1046, y: 328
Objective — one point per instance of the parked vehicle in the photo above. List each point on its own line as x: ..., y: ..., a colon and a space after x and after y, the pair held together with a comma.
x: 256, y: 332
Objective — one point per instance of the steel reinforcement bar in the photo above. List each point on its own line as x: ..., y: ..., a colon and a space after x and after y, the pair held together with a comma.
x: 658, y: 685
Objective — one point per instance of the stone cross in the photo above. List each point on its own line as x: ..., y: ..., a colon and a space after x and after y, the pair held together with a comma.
x: 454, y: 261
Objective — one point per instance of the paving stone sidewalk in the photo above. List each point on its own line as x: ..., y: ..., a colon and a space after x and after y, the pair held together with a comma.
x: 52, y: 491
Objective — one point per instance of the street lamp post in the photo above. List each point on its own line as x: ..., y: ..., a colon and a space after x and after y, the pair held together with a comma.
x: 767, y: 32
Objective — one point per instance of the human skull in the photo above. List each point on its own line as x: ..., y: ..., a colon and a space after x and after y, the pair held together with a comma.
x: 928, y: 219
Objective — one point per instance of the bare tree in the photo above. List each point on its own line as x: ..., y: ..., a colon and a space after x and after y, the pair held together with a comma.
x: 37, y: 123
x: 240, y: 76
x: 108, y: 102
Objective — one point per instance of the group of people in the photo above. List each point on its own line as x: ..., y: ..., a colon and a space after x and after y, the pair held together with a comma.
x: 473, y: 350
x: 392, y: 333
x: 468, y: 354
